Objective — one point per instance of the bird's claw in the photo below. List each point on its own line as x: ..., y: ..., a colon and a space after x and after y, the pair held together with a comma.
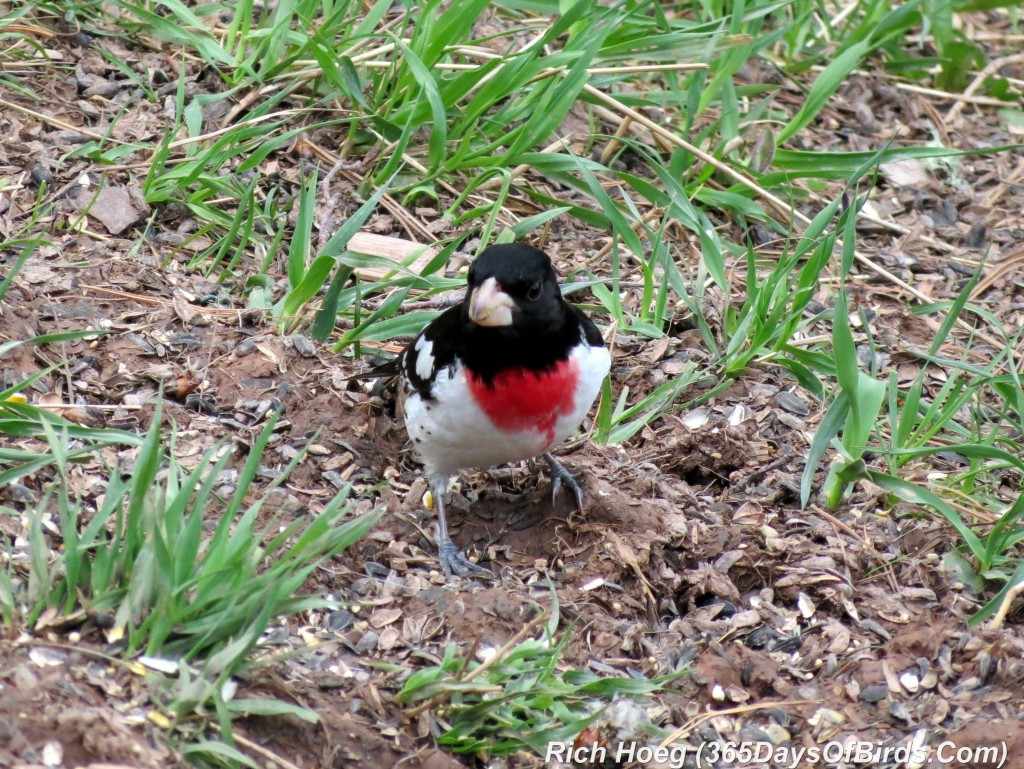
x: 560, y: 476
x: 454, y: 562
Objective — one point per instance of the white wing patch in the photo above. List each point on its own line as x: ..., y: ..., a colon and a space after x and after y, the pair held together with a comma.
x: 424, y: 358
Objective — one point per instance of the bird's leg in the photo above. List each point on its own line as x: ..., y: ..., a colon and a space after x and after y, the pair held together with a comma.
x: 560, y: 475
x: 454, y: 563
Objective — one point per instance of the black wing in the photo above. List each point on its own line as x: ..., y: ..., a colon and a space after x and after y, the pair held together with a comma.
x: 435, y: 349
x: 590, y: 331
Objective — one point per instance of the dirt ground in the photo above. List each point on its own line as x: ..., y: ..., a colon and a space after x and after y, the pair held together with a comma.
x: 798, y: 627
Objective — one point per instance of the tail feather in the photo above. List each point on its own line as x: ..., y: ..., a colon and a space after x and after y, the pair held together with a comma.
x: 386, y: 370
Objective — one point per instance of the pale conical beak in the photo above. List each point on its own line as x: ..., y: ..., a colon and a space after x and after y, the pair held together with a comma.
x: 490, y: 306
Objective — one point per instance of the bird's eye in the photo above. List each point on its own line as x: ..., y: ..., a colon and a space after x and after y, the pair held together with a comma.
x: 533, y: 294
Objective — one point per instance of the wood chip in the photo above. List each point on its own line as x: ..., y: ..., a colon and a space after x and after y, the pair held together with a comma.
x: 398, y: 250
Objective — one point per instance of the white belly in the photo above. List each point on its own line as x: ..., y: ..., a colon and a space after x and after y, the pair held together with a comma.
x: 452, y: 431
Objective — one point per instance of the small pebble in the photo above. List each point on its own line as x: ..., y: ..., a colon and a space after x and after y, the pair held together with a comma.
x: 303, y: 346
x: 874, y: 693
x: 40, y: 174
x: 340, y: 619
x: 368, y: 642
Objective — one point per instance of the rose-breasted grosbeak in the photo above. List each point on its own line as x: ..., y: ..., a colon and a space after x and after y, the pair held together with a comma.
x: 504, y: 376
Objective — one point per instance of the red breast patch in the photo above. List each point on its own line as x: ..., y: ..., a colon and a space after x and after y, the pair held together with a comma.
x: 519, y: 399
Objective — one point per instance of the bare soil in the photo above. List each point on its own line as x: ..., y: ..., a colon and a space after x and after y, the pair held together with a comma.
x: 798, y: 626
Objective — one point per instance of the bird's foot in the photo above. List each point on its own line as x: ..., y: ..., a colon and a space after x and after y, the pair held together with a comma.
x: 454, y: 562
x: 560, y: 476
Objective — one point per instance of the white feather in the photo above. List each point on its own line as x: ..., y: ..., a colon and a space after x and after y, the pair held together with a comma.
x: 451, y: 432
x: 424, y: 349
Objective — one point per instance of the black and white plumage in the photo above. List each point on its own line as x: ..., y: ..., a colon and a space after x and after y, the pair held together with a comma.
x: 504, y: 376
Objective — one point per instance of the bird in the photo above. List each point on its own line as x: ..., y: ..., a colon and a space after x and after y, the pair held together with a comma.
x: 504, y: 376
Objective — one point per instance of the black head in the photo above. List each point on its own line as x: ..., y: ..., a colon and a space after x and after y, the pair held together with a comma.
x: 514, y: 288
x: 513, y: 317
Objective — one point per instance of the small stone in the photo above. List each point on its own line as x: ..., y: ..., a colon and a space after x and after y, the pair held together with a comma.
x: 874, y: 693
x: 976, y: 237
x: 303, y: 346
x: 21, y: 494
x: 340, y: 619
x: 40, y: 174
x: 368, y: 642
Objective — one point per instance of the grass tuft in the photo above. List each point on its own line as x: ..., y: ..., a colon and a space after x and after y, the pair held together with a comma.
x: 520, y: 698
x: 145, y: 561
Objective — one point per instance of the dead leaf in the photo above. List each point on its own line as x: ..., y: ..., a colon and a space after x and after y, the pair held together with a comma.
x: 111, y: 206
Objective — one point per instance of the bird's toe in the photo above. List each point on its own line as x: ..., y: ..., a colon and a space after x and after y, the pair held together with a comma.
x: 559, y: 477
x: 454, y: 562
